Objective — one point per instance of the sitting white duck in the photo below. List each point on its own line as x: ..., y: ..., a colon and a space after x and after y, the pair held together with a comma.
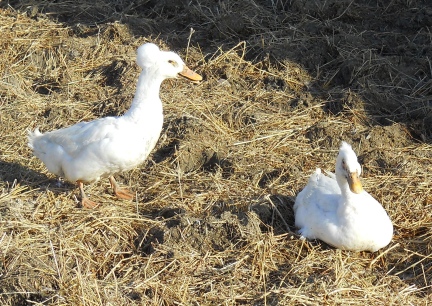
x: 339, y: 212
x: 87, y: 151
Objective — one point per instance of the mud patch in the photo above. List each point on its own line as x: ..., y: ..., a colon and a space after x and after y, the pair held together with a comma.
x: 276, y: 213
x: 375, y: 145
x: 217, y: 233
x: 193, y: 147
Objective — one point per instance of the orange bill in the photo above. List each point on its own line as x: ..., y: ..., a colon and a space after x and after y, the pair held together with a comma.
x: 354, y: 182
x: 189, y: 74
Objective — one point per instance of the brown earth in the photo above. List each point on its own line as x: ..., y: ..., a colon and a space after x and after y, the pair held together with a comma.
x: 284, y: 83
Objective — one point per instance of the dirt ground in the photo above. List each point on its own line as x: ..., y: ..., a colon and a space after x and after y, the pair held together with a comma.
x: 212, y: 224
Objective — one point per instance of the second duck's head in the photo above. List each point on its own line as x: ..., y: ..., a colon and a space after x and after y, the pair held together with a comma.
x: 348, y: 168
x: 165, y: 63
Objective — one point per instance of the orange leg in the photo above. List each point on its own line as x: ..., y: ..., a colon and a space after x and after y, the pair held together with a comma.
x: 121, y: 193
x: 85, y: 202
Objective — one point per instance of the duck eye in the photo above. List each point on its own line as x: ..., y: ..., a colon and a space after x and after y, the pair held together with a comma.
x: 174, y: 63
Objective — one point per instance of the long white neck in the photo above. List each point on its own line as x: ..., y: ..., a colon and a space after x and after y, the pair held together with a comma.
x: 344, y: 186
x: 146, y: 99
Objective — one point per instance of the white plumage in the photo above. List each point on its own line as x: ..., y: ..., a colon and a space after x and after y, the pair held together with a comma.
x: 87, y: 151
x: 336, y: 209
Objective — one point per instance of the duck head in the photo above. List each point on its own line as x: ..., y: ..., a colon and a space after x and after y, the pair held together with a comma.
x: 348, y: 169
x: 165, y: 63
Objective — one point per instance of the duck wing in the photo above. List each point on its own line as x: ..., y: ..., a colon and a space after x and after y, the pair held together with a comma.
x: 321, y: 192
x: 316, y: 206
x: 69, y: 151
x: 72, y: 140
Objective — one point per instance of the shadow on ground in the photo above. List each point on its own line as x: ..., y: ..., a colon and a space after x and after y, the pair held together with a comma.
x: 353, y: 56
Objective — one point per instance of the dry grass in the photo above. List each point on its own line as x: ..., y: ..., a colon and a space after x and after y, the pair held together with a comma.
x: 213, y: 223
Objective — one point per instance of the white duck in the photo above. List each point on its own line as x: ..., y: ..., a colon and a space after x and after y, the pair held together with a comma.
x: 338, y: 211
x: 87, y: 151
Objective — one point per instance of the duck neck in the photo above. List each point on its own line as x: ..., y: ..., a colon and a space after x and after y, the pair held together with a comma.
x: 146, y: 99
x: 344, y: 186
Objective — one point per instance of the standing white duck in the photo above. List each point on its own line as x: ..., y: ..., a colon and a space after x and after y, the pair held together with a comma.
x: 339, y: 212
x: 87, y: 151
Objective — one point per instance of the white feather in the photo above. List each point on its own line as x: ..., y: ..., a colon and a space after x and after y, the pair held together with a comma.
x: 87, y: 151
x: 326, y: 209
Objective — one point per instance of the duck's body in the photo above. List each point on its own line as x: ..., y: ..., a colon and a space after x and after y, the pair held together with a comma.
x: 339, y: 212
x: 106, y: 146
x: 87, y: 151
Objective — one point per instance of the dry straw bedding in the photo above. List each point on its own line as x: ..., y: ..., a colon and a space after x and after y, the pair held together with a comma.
x: 212, y: 223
